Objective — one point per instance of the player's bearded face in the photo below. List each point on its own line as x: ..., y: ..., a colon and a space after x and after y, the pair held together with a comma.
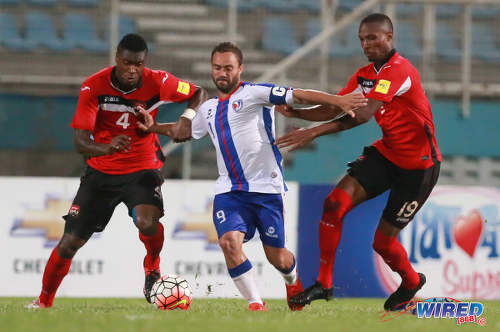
x: 129, y: 67
x: 376, y: 41
x: 226, y: 71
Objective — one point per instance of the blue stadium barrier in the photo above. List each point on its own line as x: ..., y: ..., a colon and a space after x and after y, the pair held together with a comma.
x: 10, y: 2
x: 483, y: 43
x: 10, y: 36
x: 40, y: 30
x: 80, y: 30
x: 126, y: 25
x: 277, y: 36
x: 43, y: 3
x: 279, y: 6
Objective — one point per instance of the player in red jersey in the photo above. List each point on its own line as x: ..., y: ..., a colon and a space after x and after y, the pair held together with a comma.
x: 123, y: 161
x: 406, y: 160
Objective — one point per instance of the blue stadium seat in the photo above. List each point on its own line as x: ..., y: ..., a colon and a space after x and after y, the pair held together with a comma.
x: 80, y: 31
x: 82, y: 3
x: 448, y: 11
x: 10, y: 36
x: 278, y: 36
x: 448, y: 42
x: 281, y: 6
x: 483, y: 43
x: 408, y: 41
x: 408, y: 10
x: 10, y: 2
x: 243, y: 6
x: 343, y: 44
x: 348, y: 5
x: 314, y: 6
x: 483, y: 12
x: 40, y: 30
x: 44, y: 3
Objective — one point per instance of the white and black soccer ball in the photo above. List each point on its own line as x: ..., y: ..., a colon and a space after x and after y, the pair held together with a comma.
x: 171, y: 292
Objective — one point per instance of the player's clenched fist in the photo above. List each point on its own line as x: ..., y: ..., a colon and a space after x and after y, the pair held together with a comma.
x: 119, y: 143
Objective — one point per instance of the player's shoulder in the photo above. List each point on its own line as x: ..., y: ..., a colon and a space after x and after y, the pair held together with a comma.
x: 208, y: 104
x: 253, y: 85
x: 102, y: 75
x: 401, y: 63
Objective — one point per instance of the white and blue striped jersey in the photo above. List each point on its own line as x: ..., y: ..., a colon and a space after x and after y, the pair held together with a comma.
x: 242, y: 130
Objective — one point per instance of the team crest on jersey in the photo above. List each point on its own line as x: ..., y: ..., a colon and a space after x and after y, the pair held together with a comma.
x: 237, y: 105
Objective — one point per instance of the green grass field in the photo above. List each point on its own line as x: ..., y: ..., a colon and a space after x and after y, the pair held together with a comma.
x: 72, y: 315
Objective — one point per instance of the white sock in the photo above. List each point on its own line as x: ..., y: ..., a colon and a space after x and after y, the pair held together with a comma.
x: 290, y: 277
x: 247, y: 287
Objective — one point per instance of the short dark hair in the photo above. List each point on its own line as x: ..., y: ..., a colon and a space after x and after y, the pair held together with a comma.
x: 378, y: 18
x: 132, y: 42
x: 228, y: 47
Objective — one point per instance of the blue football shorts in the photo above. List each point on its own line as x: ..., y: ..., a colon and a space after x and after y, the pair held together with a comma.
x: 247, y: 211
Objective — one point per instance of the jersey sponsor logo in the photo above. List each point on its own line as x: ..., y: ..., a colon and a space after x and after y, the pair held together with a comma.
x: 383, y: 86
x: 366, y: 83
x: 164, y: 78
x: 237, y: 105
x: 183, y: 88
x: 120, y: 104
x: 85, y: 88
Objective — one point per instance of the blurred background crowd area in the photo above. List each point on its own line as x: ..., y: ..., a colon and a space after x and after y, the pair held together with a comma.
x: 48, y: 47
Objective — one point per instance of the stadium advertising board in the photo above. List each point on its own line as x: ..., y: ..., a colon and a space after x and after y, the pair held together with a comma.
x: 110, y: 264
x: 453, y: 240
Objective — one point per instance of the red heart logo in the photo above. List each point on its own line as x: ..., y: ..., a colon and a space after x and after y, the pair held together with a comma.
x: 467, y: 231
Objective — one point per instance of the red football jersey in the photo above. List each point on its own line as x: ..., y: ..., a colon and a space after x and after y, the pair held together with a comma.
x: 107, y: 112
x: 405, y: 118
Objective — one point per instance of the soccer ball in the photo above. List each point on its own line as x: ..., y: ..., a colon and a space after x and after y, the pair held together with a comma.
x: 171, y: 292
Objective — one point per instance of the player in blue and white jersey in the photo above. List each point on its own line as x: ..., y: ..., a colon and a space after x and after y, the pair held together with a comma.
x: 240, y: 122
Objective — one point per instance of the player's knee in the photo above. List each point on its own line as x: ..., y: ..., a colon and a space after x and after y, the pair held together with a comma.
x: 67, y: 248
x: 280, y: 262
x: 381, y: 247
x: 336, y: 206
x: 145, y: 225
x: 230, y: 246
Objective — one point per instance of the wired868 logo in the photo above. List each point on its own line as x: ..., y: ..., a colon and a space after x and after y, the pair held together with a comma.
x: 441, y: 307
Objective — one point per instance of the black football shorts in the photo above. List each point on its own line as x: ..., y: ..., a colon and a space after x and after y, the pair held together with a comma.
x: 409, y: 189
x: 100, y: 193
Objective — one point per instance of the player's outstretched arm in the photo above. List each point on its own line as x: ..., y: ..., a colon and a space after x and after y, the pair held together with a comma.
x: 315, y: 113
x: 181, y: 130
x: 149, y: 125
x: 346, y: 103
x: 88, y: 147
x: 301, y: 137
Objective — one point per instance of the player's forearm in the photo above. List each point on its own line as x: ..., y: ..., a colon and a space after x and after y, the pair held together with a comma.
x: 317, y: 113
x: 312, y: 97
x: 87, y: 147
x: 198, y: 98
x: 163, y: 129
x: 336, y: 126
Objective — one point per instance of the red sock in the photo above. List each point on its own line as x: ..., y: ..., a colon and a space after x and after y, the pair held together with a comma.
x: 153, y: 245
x: 54, y: 272
x: 336, y: 206
x: 394, y: 254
